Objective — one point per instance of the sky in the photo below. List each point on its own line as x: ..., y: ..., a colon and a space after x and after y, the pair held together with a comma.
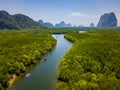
x: 76, y: 12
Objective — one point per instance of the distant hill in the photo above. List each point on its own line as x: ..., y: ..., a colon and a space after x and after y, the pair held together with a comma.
x: 17, y: 21
x: 25, y: 21
x: 48, y: 24
x: 63, y: 24
x: 7, y: 21
x: 107, y: 20
x: 81, y: 25
x: 58, y: 25
x: 7, y: 25
x: 92, y: 25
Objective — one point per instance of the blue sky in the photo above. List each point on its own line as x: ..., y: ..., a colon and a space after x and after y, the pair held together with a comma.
x: 76, y: 12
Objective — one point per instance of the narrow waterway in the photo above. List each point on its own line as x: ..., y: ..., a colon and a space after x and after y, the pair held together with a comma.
x: 43, y: 75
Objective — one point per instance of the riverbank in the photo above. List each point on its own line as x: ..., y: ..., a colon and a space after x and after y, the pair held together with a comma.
x: 93, y: 61
x: 12, y: 80
x: 16, y: 78
x: 43, y: 75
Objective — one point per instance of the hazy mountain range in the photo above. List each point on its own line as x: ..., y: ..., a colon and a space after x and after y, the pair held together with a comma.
x: 106, y: 20
x: 58, y: 25
x: 20, y: 21
x: 48, y: 24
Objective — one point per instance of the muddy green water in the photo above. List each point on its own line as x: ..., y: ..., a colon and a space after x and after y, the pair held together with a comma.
x: 43, y: 75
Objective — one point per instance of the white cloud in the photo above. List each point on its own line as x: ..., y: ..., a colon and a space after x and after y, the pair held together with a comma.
x: 78, y: 18
x: 76, y: 14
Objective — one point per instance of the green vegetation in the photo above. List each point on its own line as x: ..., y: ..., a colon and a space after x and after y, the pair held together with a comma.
x: 93, y: 63
x: 55, y: 30
x: 19, y: 49
x: 17, y: 21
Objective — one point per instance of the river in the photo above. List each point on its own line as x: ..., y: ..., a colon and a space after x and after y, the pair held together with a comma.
x: 44, y: 74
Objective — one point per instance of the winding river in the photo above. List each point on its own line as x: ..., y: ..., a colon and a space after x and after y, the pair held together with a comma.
x: 44, y: 74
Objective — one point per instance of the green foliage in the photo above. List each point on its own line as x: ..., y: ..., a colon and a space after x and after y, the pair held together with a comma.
x: 19, y: 49
x: 93, y: 63
x: 1, y: 87
x: 17, y: 21
x: 57, y: 30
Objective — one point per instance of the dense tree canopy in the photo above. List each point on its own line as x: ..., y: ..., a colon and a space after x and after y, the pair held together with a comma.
x: 93, y: 63
x: 19, y: 49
